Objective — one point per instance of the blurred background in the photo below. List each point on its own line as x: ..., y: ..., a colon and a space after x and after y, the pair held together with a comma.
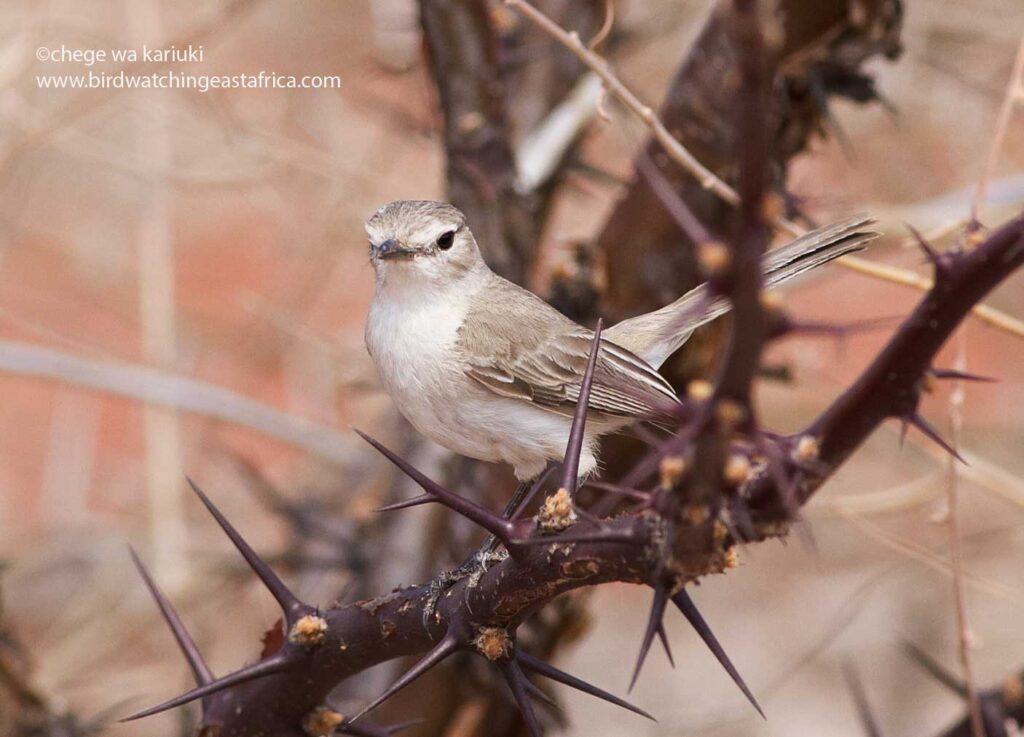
x: 183, y: 284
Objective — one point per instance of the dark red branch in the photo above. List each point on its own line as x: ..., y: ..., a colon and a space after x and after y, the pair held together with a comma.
x: 628, y: 548
x: 363, y: 635
x: 891, y: 385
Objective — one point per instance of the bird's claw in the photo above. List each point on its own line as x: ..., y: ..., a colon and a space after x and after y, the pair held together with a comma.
x: 473, y: 568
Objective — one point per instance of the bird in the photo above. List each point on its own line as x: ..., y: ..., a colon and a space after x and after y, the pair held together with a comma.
x: 489, y: 370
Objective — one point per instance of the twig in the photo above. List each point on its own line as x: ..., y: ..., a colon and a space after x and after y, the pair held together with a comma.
x: 929, y: 558
x: 1014, y: 92
x: 707, y: 179
x: 891, y: 499
x: 179, y: 392
x: 956, y: 418
x: 606, y: 26
x: 957, y: 400
x: 571, y: 40
x: 157, y: 316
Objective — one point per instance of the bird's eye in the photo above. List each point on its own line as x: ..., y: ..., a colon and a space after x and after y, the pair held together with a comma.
x: 445, y: 240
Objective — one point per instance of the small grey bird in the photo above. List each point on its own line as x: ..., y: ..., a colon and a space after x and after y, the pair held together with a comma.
x: 490, y: 371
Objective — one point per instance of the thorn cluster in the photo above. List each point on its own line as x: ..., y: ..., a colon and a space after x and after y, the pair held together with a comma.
x: 669, y: 537
x: 289, y: 656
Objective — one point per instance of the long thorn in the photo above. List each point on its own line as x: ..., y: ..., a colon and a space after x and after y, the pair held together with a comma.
x: 663, y: 636
x: 516, y: 682
x: 485, y: 518
x: 547, y: 670
x: 290, y: 603
x: 200, y: 671
x: 653, y: 623
x: 539, y: 694
x: 685, y: 605
x: 441, y: 650
x: 635, y: 494
x: 935, y: 669
x: 930, y: 253
x: 407, y: 503
x: 961, y: 375
x: 270, y: 666
x: 925, y: 427
x: 860, y: 700
x: 538, y: 484
x: 577, y: 434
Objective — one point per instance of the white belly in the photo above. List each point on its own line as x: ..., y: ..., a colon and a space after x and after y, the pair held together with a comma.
x: 415, y: 351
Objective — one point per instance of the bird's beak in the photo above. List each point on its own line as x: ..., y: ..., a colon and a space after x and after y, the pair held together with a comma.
x: 392, y: 249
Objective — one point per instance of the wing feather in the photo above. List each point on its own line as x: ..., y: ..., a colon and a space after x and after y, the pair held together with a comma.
x: 544, y: 359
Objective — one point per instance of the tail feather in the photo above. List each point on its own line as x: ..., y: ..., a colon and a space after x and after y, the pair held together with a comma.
x: 657, y: 335
x: 818, y: 247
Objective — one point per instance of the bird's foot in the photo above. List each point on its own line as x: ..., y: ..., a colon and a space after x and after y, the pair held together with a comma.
x: 473, y: 568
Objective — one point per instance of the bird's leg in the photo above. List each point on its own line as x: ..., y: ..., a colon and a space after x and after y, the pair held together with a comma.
x: 478, y: 561
x: 491, y: 543
x: 476, y: 564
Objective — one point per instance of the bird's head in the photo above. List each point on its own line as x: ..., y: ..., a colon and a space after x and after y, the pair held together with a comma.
x: 421, y: 242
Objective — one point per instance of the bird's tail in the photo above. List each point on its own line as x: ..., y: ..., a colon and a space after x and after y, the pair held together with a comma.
x: 657, y: 335
x: 818, y: 247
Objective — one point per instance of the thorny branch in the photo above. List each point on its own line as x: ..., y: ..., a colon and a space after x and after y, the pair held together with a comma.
x: 320, y: 648
x: 680, y: 527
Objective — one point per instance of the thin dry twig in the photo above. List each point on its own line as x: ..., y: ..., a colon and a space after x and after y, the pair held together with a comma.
x: 1014, y: 94
x: 157, y: 309
x: 182, y: 393
x: 930, y: 559
x: 710, y: 181
x: 884, y: 501
x: 957, y: 399
x: 571, y: 40
x: 957, y: 402
x: 606, y: 27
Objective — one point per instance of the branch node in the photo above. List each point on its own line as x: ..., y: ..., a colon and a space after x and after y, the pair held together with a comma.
x: 308, y: 631
x: 557, y: 513
x: 493, y: 643
x: 321, y: 722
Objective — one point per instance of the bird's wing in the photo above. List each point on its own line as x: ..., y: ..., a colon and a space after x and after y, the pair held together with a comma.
x: 531, y: 352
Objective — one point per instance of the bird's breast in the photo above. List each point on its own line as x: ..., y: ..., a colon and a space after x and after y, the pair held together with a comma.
x: 415, y: 350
